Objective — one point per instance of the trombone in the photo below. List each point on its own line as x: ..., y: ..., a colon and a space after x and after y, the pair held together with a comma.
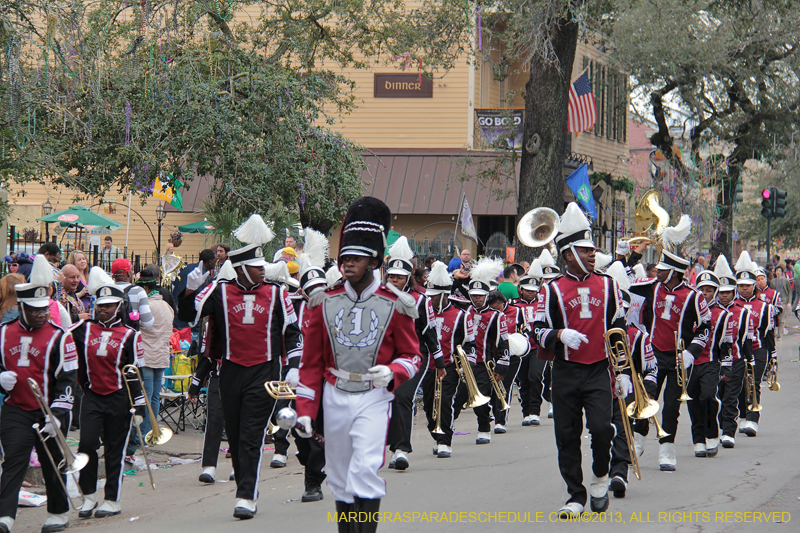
x: 683, y: 380
x: 499, y: 388
x: 280, y: 390
x: 437, y: 406
x: 620, y: 354
x: 475, y: 398
x: 750, y: 387
x: 772, y: 375
x: 155, y: 436
x: 70, y: 463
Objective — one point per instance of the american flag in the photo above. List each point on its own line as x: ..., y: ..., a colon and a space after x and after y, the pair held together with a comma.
x: 582, y: 111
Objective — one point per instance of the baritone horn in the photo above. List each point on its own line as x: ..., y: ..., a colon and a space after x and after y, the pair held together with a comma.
x: 683, y: 379
x: 280, y: 390
x: 750, y: 387
x: 772, y: 375
x: 538, y: 228
x: 474, y: 396
x: 437, y: 406
x: 71, y: 462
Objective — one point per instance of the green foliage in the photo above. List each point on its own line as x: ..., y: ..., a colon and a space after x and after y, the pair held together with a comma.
x: 784, y: 174
x: 621, y: 184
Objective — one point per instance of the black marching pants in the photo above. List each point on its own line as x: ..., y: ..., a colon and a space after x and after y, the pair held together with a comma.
x: 760, y: 356
x: 526, y: 387
x: 402, y: 421
x: 539, y: 377
x: 667, y: 377
x: 579, y: 388
x: 450, y: 386
x: 485, y: 388
x: 214, y: 423
x: 105, y: 418
x: 620, y: 452
x: 247, y: 408
x: 500, y: 415
x: 18, y: 438
x: 729, y: 392
x: 704, y: 405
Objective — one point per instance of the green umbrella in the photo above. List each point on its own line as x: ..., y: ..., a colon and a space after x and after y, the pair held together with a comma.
x: 78, y: 215
x: 203, y: 226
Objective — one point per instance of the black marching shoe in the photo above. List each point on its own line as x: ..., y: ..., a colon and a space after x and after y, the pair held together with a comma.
x: 343, y: 511
x: 366, y: 505
x: 313, y: 493
x: 618, y: 486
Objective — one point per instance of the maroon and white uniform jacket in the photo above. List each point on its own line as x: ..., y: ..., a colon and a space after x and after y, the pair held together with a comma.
x: 426, y: 332
x: 591, y: 305
x: 102, y: 352
x: 491, y: 338
x: 248, y: 326
x: 682, y: 310
x: 643, y: 358
x: 740, y: 334
x: 719, y: 343
x: 772, y: 297
x: 454, y: 327
x: 529, y: 316
x: 761, y: 322
x: 350, y: 334
x: 48, y: 356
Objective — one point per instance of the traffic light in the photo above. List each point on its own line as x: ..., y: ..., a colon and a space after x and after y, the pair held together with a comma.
x: 737, y: 197
x: 767, y: 203
x: 779, y: 210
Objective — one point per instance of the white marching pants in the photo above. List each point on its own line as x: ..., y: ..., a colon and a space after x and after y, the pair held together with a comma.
x: 355, y: 441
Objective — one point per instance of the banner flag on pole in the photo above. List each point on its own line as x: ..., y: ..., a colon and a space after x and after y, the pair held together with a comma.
x: 578, y: 181
x: 467, y: 226
x: 582, y: 106
x: 170, y: 194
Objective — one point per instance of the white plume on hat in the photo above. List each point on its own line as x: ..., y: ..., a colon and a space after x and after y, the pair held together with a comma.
x: 226, y: 271
x: 675, y: 235
x: 573, y: 220
x: 602, y: 260
x: 41, y: 272
x: 333, y: 275
x: 617, y: 271
x: 315, y: 250
x: 401, y: 250
x: 745, y: 264
x: 639, y: 272
x: 439, y: 276
x: 278, y: 272
x: 546, y: 259
x: 98, y: 278
x: 722, y: 269
x: 254, y: 231
x: 487, y: 269
x: 536, y: 269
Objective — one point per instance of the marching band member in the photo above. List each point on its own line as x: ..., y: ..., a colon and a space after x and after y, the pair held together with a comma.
x: 491, y: 342
x: 257, y: 310
x: 772, y: 297
x: 732, y: 365
x: 550, y: 271
x: 704, y: 380
x: 399, y: 273
x: 33, y: 347
x: 105, y: 345
x: 515, y: 323
x: 575, y: 310
x: 674, y: 307
x: 643, y: 362
x: 361, y: 346
x: 531, y: 368
x: 454, y: 328
x: 761, y: 324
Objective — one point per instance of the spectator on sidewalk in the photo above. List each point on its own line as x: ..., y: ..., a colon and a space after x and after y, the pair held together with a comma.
x: 109, y: 253
x: 783, y: 286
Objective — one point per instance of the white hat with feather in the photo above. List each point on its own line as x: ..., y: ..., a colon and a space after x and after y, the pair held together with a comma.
x: 484, y: 274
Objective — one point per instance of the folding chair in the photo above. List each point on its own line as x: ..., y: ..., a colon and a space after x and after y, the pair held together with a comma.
x: 172, y: 409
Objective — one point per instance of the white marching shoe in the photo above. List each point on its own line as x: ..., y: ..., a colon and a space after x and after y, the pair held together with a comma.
x: 484, y: 437
x: 400, y: 460
x: 6, y: 523
x: 55, y: 522
x: 531, y: 420
x: 750, y: 428
x: 443, y: 451
x: 638, y: 443
x: 550, y: 413
x: 278, y: 461
x: 712, y: 447
x: 598, y: 490
x: 570, y: 510
x: 666, y: 457
x: 728, y: 442
x: 742, y: 423
x: 89, y: 505
x: 209, y: 475
x: 700, y: 449
x: 244, y: 509
x: 108, y: 508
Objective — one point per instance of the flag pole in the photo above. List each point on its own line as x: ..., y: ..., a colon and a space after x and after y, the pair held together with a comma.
x: 458, y: 219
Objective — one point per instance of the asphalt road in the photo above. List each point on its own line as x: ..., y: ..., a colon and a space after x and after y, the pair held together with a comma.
x: 513, y: 479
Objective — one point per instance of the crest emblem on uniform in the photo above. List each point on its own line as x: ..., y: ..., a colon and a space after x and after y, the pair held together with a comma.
x: 398, y: 264
x: 587, y: 235
x: 40, y: 292
x: 312, y: 275
x: 105, y: 291
x: 259, y: 253
x: 368, y: 340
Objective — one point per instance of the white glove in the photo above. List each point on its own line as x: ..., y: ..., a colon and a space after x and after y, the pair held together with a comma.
x: 573, y: 338
x: 8, y: 379
x: 303, y: 427
x: 137, y: 420
x: 196, y: 278
x: 293, y: 376
x: 623, y: 247
x: 48, y: 425
x: 624, y: 386
x: 381, y: 375
x: 688, y: 359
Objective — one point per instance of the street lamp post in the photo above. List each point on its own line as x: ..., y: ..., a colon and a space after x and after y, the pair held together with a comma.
x: 160, y: 216
x: 47, y: 208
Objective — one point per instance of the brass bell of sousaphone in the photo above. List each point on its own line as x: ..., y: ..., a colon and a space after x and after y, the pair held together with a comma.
x: 538, y: 227
x: 650, y: 221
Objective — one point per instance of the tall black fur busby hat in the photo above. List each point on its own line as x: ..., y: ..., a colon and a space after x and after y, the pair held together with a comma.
x: 365, y: 227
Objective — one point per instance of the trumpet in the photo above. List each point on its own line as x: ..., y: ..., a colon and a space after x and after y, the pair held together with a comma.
x: 499, y: 388
x: 683, y: 380
x: 155, y: 436
x: 437, y: 406
x: 475, y: 398
x: 620, y: 354
x: 750, y: 387
x: 70, y: 463
x: 772, y: 375
x: 280, y: 390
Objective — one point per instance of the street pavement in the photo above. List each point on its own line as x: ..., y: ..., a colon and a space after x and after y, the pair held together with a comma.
x: 513, y: 479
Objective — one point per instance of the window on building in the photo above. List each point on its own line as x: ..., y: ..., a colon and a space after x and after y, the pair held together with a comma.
x: 611, y: 99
